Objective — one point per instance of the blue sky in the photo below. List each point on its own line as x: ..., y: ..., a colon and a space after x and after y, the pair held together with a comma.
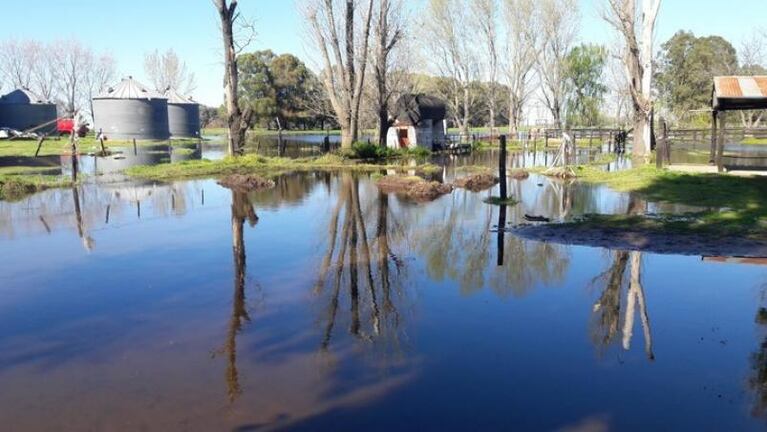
x: 130, y: 28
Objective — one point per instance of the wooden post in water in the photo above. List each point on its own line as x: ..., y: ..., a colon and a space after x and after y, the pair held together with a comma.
x: 101, y: 142
x: 501, y: 232
x: 135, y: 149
x: 546, y: 138
x: 714, y: 135
x: 502, y: 166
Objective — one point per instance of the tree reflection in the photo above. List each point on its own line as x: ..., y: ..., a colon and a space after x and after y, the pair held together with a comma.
x: 242, y: 210
x: 360, y: 265
x: 757, y: 382
x: 607, y: 309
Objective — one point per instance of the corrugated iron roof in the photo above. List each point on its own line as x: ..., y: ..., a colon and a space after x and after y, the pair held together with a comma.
x: 174, y: 97
x: 128, y: 88
x: 23, y: 96
x: 739, y: 93
x: 739, y: 87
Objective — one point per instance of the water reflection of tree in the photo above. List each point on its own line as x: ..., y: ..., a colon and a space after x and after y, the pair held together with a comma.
x: 607, y: 309
x: 461, y: 251
x: 364, y: 267
x: 242, y: 210
x: 757, y: 382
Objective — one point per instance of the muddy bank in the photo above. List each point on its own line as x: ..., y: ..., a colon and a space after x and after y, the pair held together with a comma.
x: 245, y: 182
x: 414, y: 188
x: 645, y: 240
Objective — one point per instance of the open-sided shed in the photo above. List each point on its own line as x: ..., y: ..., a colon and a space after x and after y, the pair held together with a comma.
x: 733, y: 93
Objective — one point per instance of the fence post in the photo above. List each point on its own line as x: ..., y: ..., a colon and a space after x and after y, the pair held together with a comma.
x: 502, y: 166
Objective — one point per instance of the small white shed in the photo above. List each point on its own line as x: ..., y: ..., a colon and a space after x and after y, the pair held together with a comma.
x: 419, y: 122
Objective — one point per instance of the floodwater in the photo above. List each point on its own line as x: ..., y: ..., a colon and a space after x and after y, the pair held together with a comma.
x: 323, y: 304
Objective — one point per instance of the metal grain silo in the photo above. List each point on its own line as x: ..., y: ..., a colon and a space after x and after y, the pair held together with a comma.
x: 23, y: 110
x: 129, y: 110
x: 183, y: 115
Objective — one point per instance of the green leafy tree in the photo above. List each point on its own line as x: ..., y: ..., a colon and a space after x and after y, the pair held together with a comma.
x: 687, y: 66
x: 257, y: 88
x: 586, y: 89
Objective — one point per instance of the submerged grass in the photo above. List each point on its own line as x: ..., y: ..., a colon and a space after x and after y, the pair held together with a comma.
x: 730, y: 205
x: 265, y: 165
x: 754, y: 141
x: 15, y: 187
x: 496, y: 200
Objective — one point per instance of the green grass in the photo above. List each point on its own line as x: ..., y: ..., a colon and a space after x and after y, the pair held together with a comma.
x: 730, y: 205
x: 754, y: 141
x: 263, y: 165
x: 27, y: 147
x: 15, y: 187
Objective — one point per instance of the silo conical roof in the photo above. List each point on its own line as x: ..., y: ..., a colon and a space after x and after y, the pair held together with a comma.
x: 129, y: 88
x: 23, y: 96
x: 175, y: 97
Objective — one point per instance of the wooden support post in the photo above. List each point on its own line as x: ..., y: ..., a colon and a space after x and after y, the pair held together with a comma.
x: 546, y: 138
x: 661, y: 151
x: 40, y: 144
x: 135, y: 149
x: 720, y: 141
x: 103, y: 149
x: 502, y: 166
x: 591, y: 138
x: 714, y: 135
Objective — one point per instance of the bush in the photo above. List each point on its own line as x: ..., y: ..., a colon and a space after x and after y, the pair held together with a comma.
x: 371, y: 151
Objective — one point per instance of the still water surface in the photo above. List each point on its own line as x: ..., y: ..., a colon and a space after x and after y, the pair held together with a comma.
x: 324, y: 304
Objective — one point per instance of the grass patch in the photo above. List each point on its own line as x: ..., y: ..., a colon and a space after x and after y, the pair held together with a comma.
x: 27, y: 148
x: 495, y: 200
x: 264, y: 165
x: 754, y: 141
x: 15, y: 187
x: 731, y: 205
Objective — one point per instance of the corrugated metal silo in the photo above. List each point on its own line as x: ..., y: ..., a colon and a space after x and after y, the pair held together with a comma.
x: 23, y: 110
x: 183, y: 115
x: 130, y: 110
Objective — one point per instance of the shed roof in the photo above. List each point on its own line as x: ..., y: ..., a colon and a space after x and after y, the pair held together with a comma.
x: 411, y: 109
x: 739, y: 93
x: 128, y: 88
x: 174, y: 97
x: 23, y: 96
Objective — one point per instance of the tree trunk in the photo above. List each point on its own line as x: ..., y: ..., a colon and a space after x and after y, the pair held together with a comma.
x: 237, y: 121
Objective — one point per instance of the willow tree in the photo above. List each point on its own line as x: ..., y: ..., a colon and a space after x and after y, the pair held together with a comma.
x: 626, y: 16
x: 450, y: 45
x: 558, y: 21
x: 238, y: 121
x: 345, y: 59
x: 485, y: 15
x: 522, y: 33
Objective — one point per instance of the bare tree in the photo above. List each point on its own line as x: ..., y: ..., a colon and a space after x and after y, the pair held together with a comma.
x: 626, y: 16
x: 485, y: 17
x: 558, y: 20
x: 97, y: 77
x: 166, y: 70
x: 752, y: 55
x: 238, y: 121
x: 345, y: 61
x: 71, y: 61
x: 389, y: 31
x: 451, y: 52
x: 43, y: 71
x: 17, y: 62
x: 522, y: 33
